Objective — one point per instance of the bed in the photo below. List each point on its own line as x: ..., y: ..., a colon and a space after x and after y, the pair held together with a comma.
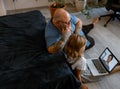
x: 24, y: 60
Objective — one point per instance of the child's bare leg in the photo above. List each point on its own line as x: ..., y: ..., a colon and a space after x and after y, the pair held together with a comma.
x: 117, y: 68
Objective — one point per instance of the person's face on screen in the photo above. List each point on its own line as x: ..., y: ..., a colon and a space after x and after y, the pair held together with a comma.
x: 110, y: 57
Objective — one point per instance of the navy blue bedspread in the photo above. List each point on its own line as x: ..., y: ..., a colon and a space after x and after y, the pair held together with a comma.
x: 24, y: 61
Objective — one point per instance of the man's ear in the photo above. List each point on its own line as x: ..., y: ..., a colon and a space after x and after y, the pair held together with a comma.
x: 55, y: 23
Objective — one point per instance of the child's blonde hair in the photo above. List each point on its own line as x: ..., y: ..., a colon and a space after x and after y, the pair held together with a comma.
x: 74, y: 46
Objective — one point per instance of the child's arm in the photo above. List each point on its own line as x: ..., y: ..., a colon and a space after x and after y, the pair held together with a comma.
x: 78, y: 75
x: 83, y: 86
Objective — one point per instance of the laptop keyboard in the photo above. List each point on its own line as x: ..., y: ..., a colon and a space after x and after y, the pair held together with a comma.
x: 99, y: 66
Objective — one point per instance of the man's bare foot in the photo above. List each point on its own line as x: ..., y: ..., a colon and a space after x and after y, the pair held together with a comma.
x: 95, y: 20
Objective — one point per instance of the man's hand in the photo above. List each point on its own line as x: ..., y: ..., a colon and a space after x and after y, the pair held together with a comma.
x: 58, y: 46
x: 66, y: 32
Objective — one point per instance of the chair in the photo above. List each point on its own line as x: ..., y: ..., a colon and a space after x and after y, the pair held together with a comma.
x: 113, y: 5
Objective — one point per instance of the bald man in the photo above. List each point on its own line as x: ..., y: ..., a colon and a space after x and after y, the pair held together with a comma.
x: 61, y: 26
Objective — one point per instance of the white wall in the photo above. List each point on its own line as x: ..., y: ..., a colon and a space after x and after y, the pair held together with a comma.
x: 2, y: 8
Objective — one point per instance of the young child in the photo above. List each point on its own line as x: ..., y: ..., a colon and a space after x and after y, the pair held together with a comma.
x: 74, y: 50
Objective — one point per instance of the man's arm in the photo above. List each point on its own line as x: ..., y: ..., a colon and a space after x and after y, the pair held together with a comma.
x: 58, y: 46
x: 78, y: 26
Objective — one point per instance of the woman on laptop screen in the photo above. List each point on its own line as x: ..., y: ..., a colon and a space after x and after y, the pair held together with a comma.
x: 109, y: 61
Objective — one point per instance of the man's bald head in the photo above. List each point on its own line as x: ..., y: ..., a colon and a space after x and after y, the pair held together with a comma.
x: 61, y: 14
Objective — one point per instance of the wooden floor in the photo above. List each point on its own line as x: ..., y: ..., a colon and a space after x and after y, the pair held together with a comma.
x: 104, y: 37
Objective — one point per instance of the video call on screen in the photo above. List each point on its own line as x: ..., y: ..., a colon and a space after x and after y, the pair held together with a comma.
x: 104, y: 57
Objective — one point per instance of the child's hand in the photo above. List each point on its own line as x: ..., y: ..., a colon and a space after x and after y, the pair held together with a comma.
x: 83, y: 86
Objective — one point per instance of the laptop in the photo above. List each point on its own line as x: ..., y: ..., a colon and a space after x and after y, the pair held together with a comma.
x: 104, y: 64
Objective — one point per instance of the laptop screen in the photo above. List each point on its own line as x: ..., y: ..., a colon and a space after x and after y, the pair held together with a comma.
x: 108, y: 60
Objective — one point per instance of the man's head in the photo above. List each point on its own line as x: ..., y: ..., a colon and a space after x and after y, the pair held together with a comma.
x: 61, y: 18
